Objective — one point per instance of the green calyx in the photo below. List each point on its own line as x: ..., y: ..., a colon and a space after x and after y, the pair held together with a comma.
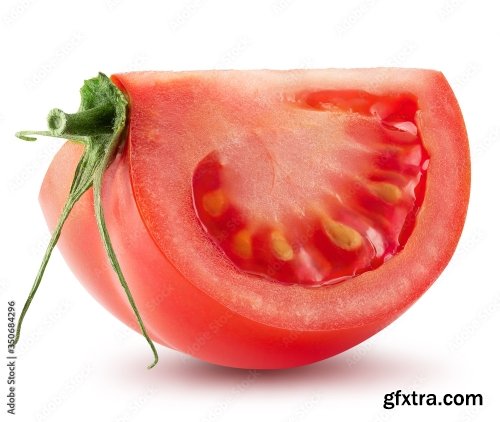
x: 98, y: 125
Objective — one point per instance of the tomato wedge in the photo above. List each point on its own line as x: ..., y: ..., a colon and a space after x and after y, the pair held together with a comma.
x: 270, y: 219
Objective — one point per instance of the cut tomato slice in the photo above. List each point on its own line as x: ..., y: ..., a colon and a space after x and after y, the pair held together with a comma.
x: 324, y: 198
x: 268, y: 219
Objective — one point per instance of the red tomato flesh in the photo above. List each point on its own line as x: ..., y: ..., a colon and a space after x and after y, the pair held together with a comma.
x: 236, y: 192
x: 279, y: 209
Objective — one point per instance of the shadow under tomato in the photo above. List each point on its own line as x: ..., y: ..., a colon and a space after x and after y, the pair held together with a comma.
x: 357, y: 367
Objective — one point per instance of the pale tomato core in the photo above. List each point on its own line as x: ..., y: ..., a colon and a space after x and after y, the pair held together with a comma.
x: 333, y: 194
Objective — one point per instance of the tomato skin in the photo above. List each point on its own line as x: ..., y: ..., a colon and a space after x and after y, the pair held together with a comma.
x: 181, y: 314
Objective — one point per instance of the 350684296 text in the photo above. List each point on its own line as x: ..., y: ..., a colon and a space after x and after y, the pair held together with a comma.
x: 11, y: 358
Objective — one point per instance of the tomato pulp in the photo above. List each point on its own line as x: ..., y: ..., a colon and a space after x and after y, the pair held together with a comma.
x: 270, y: 219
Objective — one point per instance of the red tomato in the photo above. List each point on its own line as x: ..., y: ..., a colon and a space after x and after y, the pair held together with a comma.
x: 270, y: 219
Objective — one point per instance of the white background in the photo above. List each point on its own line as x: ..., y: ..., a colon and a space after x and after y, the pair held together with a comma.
x: 76, y: 362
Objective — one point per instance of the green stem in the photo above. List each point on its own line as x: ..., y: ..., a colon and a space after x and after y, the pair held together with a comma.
x: 103, y: 230
x: 95, y: 121
x: 98, y: 125
x: 48, y: 253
